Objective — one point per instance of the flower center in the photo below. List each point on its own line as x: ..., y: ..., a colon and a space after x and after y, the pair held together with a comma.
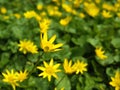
x: 49, y: 70
x: 46, y: 48
x: 11, y: 79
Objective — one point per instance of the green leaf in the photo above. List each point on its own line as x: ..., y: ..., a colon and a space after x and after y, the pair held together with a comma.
x: 62, y: 82
x: 116, y: 42
x: 4, y: 59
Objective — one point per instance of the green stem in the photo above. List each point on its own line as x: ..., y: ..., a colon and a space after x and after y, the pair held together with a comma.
x: 36, y: 64
x: 60, y: 81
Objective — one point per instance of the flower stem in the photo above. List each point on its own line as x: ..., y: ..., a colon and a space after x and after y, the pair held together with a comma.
x: 36, y: 64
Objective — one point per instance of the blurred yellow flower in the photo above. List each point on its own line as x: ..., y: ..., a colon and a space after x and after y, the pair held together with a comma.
x: 17, y: 15
x: 67, y: 8
x: 49, y: 70
x: 116, y: 81
x: 32, y: 14
x: 65, y: 21
x: 21, y: 76
x: 80, y: 67
x: 48, y: 46
x: 27, y: 46
x: 91, y: 9
x: 44, y: 25
x: 3, y: 10
x: 39, y: 6
x: 106, y: 14
x: 100, y: 53
x: 118, y: 14
x: 11, y: 78
x: 60, y: 89
x: 53, y: 11
x: 81, y: 15
x: 5, y: 17
x: 77, y: 3
x: 68, y: 67
x: 108, y: 7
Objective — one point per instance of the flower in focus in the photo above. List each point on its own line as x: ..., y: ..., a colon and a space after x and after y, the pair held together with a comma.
x: 106, y: 14
x: 100, y: 53
x: 11, y: 78
x: 116, y: 81
x: 44, y: 25
x: 65, y: 21
x: 48, y: 46
x: 68, y: 66
x: 21, y: 76
x: 80, y: 67
x: 27, y: 46
x: 3, y: 10
x: 49, y: 70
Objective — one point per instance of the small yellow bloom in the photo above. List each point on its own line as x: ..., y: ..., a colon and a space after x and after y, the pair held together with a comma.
x: 81, y: 15
x: 106, y: 14
x: 11, y: 78
x: 100, y: 53
x: 116, y: 81
x: 27, y: 46
x: 108, y: 7
x: 3, y: 10
x: 21, y: 76
x: 68, y: 66
x: 67, y: 8
x: 91, y: 9
x: 48, y: 46
x: 44, y: 25
x: 30, y: 14
x: 49, y: 70
x: 60, y: 89
x: 65, y: 21
x: 80, y: 67
x: 17, y: 15
x: 39, y: 6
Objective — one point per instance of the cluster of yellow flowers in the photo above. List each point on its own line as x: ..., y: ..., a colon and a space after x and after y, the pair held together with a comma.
x: 14, y: 78
x: 51, y: 69
x: 27, y: 46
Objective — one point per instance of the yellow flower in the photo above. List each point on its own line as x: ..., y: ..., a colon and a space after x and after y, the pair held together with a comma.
x: 81, y: 15
x: 80, y: 67
x: 65, y: 21
x: 106, y: 14
x: 17, y: 15
x: 108, y: 7
x: 44, y: 25
x: 21, y: 76
x: 3, y: 10
x: 39, y: 6
x: 49, y: 70
x: 116, y: 81
x: 60, y: 89
x: 100, y: 53
x: 27, y: 46
x: 91, y: 9
x: 11, y: 78
x: 30, y: 14
x: 68, y: 66
x: 67, y: 8
x: 48, y: 46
